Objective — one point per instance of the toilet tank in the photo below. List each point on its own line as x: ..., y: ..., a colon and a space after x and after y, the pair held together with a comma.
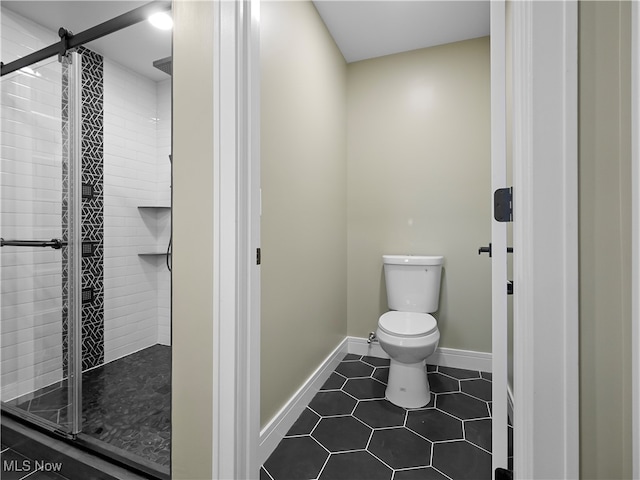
x: 413, y: 282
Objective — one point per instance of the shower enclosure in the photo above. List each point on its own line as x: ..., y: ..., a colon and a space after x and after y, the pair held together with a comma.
x: 85, y: 225
x: 37, y: 145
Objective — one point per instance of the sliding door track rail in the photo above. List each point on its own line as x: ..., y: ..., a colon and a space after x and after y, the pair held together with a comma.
x: 69, y: 41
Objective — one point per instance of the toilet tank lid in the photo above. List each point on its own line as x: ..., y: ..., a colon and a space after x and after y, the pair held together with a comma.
x: 413, y: 259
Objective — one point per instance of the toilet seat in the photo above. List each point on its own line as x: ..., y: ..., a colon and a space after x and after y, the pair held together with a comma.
x: 407, y: 324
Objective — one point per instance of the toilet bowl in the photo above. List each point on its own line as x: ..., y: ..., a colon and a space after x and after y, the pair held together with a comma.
x: 408, y: 333
x: 409, y: 338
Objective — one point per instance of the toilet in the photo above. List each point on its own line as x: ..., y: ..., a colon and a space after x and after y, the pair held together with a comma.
x: 408, y: 333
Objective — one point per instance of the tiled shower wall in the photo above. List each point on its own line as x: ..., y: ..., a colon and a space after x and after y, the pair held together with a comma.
x: 136, y: 173
x: 30, y: 192
x: 132, y: 167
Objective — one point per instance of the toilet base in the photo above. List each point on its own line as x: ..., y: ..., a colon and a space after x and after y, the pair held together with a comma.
x: 408, y: 386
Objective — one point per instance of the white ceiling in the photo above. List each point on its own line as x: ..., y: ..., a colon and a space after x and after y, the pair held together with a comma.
x: 367, y: 29
x: 361, y: 28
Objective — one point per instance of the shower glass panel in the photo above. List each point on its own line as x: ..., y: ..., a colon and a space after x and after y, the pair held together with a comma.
x: 39, y: 265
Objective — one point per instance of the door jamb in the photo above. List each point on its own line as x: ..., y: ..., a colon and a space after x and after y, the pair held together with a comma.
x: 236, y: 342
x: 545, y: 145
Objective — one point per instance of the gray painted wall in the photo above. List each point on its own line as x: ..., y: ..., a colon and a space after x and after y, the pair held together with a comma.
x: 192, y: 302
x: 304, y: 187
x: 419, y: 182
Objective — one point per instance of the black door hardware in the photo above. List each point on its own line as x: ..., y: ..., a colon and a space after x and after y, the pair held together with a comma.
x: 503, y: 474
x: 503, y: 205
x: 54, y: 243
x: 489, y: 251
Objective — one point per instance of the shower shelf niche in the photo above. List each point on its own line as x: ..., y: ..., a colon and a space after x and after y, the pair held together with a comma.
x: 153, y: 208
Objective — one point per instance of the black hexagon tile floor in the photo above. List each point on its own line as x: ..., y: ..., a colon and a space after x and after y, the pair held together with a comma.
x: 349, y: 431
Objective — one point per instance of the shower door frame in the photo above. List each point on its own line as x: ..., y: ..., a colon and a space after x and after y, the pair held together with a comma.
x: 73, y: 62
x: 75, y: 239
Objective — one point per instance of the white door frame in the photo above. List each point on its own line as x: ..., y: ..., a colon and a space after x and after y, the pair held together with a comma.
x: 545, y: 146
x: 546, y: 299
x: 236, y: 297
x: 635, y: 232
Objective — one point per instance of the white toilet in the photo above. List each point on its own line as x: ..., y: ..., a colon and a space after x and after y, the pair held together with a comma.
x: 408, y: 333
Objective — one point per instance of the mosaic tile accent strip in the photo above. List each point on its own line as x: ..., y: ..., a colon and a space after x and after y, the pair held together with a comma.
x: 65, y: 217
x: 350, y: 431
x: 92, y: 209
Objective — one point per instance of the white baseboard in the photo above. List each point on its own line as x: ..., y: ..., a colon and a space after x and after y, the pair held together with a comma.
x: 280, y: 424
x: 359, y: 346
x: 446, y: 357
x: 467, y: 359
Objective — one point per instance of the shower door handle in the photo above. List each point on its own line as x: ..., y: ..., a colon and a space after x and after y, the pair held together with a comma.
x: 54, y: 243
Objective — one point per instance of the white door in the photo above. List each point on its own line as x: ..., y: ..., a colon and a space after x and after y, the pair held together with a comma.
x: 499, y: 236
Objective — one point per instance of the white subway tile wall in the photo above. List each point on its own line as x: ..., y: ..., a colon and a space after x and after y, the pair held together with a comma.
x: 30, y: 194
x: 136, y: 147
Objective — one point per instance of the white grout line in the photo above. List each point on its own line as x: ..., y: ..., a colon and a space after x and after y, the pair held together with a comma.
x: 324, y: 465
x: 464, y: 430
x: 380, y: 460
x: 453, y: 440
x: 478, y: 446
x: 441, y: 472
x: 419, y: 434
x: 369, y: 440
x: 267, y: 472
x: 327, y: 450
x: 431, y: 454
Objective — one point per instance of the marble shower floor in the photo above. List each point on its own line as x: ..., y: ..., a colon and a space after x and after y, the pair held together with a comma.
x: 349, y: 431
x: 125, y: 403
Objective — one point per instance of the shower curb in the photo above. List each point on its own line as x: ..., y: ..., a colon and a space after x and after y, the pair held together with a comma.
x: 76, y: 463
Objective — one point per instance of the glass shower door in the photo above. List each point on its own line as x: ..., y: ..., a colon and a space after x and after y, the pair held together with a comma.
x: 39, y: 261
